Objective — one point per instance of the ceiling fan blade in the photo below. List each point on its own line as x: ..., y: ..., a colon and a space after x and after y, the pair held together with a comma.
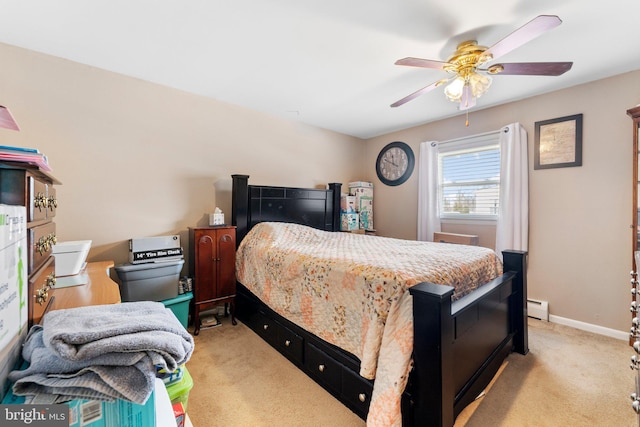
x: 418, y: 93
x: 6, y: 119
x: 531, y: 68
x: 524, y: 34
x: 423, y: 63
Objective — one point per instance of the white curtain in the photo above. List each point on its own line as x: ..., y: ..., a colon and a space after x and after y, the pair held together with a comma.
x: 512, y: 229
x: 428, y: 217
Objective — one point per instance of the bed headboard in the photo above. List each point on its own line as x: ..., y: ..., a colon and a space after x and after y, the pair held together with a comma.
x: 251, y: 204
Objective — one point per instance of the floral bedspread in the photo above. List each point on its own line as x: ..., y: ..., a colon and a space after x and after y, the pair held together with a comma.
x: 351, y: 290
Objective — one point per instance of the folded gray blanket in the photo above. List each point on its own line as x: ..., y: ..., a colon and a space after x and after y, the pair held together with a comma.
x: 102, y: 352
x: 87, y: 332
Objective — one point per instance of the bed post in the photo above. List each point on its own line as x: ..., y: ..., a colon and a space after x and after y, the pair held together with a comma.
x: 336, y: 188
x: 433, y: 355
x: 517, y: 261
x: 240, y: 205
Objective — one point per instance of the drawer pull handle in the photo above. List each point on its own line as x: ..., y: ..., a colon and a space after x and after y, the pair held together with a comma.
x: 51, y: 281
x: 42, y: 245
x: 42, y: 295
x: 40, y: 201
x: 321, y: 368
x: 53, y: 203
x: 265, y: 327
x: 362, y: 397
x: 287, y: 343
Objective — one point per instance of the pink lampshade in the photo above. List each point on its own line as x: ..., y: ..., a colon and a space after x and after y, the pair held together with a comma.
x: 6, y: 119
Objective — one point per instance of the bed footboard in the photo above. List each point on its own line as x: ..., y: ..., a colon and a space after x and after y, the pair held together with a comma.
x: 459, y: 346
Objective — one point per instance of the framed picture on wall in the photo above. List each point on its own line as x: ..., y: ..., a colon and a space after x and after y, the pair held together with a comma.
x: 558, y: 143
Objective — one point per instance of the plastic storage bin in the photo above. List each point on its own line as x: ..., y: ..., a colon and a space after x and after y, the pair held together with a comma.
x: 154, y: 281
x: 179, y: 392
x: 70, y: 256
x: 180, y: 307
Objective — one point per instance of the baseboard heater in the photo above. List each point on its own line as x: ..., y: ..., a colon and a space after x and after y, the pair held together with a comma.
x: 538, y: 309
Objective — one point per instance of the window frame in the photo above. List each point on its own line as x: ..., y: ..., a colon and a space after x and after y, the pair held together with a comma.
x: 489, y: 140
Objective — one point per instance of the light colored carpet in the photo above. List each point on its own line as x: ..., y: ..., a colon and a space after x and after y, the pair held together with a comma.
x: 569, y: 378
x: 240, y: 381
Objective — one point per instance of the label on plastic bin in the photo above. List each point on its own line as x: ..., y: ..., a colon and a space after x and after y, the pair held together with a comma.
x: 156, y: 254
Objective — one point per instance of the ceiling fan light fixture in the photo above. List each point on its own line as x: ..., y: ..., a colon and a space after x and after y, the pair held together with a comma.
x: 478, y: 83
x: 453, y: 91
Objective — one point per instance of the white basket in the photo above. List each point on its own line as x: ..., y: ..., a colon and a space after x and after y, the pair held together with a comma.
x: 70, y: 256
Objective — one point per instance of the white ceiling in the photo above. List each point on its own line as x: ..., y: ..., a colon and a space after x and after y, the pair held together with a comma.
x: 327, y: 63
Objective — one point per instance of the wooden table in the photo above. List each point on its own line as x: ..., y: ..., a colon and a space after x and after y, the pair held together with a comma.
x: 98, y: 289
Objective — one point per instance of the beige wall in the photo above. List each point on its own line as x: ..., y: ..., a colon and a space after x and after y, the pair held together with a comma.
x: 580, y: 237
x: 137, y: 160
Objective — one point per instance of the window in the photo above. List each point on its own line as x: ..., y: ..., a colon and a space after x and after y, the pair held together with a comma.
x: 469, y: 177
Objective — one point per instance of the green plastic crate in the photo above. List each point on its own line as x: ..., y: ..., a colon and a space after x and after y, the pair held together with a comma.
x: 180, y: 307
x: 179, y: 391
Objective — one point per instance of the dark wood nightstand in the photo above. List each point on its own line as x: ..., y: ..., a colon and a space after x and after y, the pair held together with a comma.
x: 212, y: 264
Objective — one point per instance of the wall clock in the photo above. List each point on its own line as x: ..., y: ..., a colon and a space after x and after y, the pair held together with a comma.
x: 395, y: 163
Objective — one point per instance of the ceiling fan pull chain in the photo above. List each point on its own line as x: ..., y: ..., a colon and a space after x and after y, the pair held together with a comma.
x: 467, y: 122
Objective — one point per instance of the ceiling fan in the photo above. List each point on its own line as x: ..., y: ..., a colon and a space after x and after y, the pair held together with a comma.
x: 471, y: 74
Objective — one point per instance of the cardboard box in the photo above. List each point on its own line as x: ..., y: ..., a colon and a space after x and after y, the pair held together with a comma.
x: 14, y: 300
x: 365, y: 210
x: 361, y: 184
x: 152, y: 249
x: 178, y: 412
x: 347, y: 204
x: 98, y: 413
x: 360, y: 189
x: 349, y: 221
x: 120, y: 413
x: 460, y: 239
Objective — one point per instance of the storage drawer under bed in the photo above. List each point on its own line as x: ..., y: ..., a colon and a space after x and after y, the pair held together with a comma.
x: 290, y: 344
x: 357, y: 390
x: 323, y: 368
x: 336, y: 373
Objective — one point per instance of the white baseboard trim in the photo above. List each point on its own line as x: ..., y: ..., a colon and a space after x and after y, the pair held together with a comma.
x: 601, y: 330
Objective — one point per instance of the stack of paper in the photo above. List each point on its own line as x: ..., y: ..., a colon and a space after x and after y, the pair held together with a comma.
x: 25, y: 155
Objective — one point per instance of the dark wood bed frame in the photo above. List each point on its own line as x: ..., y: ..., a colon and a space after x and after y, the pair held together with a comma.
x: 458, y: 346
